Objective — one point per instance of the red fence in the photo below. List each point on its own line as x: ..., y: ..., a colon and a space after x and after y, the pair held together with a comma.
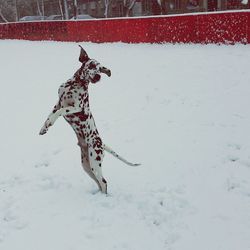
x: 227, y: 27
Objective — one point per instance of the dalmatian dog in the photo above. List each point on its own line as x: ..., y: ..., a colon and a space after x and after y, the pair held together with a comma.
x: 73, y: 105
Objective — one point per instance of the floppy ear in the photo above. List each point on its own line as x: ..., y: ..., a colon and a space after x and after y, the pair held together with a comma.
x: 83, y: 55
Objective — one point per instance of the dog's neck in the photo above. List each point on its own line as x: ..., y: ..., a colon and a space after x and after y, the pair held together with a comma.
x: 78, y: 79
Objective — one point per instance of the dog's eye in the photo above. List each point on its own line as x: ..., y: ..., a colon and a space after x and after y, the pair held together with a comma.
x: 92, y: 66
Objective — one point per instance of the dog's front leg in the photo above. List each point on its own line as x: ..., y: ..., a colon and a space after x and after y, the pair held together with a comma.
x: 47, y: 123
x: 55, y: 115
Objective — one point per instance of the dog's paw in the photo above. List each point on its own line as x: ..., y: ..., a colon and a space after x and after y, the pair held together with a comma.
x: 43, y: 131
x: 45, y: 127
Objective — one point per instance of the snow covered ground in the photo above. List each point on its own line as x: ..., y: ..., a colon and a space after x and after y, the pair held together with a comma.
x: 180, y: 110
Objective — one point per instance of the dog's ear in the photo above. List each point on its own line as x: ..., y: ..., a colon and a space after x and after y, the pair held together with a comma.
x: 83, y: 55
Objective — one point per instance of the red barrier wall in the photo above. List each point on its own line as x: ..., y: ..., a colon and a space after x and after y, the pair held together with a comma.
x: 227, y: 27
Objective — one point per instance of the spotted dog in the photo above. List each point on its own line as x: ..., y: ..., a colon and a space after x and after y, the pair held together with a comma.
x: 73, y: 105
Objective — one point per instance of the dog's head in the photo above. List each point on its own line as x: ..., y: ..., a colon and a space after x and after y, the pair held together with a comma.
x: 91, y: 69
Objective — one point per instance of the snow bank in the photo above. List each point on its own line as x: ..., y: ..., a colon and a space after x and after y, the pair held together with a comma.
x: 181, y: 110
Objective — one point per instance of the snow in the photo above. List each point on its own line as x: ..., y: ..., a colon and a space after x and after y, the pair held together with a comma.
x: 180, y: 110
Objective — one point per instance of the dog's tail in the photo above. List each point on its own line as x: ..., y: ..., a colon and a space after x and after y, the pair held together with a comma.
x: 108, y: 149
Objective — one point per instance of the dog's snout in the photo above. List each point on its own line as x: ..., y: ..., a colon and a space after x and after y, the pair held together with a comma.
x: 106, y: 71
x: 109, y: 72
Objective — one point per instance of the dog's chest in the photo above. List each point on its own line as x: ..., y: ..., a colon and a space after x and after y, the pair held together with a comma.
x: 73, y: 95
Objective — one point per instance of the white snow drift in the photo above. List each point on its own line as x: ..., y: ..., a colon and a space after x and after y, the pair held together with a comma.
x: 180, y: 110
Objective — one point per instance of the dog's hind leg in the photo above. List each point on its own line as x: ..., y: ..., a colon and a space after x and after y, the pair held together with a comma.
x: 85, y: 161
x: 95, y: 160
